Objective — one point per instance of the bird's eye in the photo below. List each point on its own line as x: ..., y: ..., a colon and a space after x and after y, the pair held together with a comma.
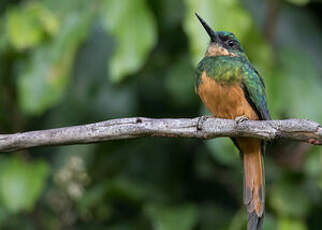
x: 231, y: 43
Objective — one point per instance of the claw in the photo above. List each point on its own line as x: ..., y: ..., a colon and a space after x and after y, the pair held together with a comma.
x: 241, y: 119
x: 201, y: 120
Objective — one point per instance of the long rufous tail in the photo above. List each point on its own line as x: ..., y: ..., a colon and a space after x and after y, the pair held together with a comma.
x: 254, y: 193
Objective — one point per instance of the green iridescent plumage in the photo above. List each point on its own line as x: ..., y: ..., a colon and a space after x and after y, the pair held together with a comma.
x: 230, y: 70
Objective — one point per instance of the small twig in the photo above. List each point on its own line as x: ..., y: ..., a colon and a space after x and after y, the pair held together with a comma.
x: 127, y: 128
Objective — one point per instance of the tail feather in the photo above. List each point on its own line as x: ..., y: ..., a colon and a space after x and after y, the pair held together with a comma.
x: 254, y: 221
x: 254, y: 194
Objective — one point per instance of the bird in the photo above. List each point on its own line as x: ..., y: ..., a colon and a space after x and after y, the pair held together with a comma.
x: 231, y: 88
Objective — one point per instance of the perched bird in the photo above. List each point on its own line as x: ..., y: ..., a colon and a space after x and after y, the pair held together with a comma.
x: 230, y: 87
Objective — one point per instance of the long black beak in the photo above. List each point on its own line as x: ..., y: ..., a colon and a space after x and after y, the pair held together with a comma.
x: 211, y: 33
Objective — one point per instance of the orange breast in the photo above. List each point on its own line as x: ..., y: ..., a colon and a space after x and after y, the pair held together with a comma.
x: 224, y: 100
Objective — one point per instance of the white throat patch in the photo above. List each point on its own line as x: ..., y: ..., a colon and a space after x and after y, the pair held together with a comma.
x: 215, y: 50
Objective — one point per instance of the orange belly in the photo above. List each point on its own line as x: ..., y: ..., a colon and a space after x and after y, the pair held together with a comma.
x: 224, y: 100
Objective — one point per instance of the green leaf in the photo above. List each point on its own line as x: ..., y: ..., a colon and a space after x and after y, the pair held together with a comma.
x: 223, y: 150
x: 298, y: 84
x: 290, y: 200
x: 47, y: 18
x: 134, y: 28
x: 27, y: 26
x: 21, y: 183
x: 179, y: 82
x: 182, y: 217
x: 291, y: 224
x: 42, y: 82
x: 24, y: 29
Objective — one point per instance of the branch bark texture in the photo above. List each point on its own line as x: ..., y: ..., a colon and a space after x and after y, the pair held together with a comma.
x: 127, y: 128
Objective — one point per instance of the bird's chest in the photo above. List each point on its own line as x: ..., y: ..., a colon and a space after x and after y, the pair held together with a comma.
x: 224, y: 100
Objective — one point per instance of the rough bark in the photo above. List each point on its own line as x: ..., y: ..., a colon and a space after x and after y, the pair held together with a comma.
x: 200, y: 127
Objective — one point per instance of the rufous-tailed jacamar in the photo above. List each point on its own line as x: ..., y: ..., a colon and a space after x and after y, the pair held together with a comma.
x: 230, y: 87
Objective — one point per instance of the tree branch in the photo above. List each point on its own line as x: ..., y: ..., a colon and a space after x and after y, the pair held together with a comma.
x: 126, y: 128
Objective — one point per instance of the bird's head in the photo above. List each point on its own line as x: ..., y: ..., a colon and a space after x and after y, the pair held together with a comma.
x: 222, y: 43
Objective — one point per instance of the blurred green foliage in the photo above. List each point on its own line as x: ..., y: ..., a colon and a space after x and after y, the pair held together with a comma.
x: 21, y: 183
x: 73, y: 62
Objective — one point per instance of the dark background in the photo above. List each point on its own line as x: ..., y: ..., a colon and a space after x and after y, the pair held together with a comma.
x: 73, y: 62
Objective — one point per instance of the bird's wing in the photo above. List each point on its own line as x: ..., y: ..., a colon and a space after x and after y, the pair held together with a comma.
x: 254, y: 90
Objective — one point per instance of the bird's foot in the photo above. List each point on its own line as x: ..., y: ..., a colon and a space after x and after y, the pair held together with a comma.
x: 201, y: 120
x: 241, y: 119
